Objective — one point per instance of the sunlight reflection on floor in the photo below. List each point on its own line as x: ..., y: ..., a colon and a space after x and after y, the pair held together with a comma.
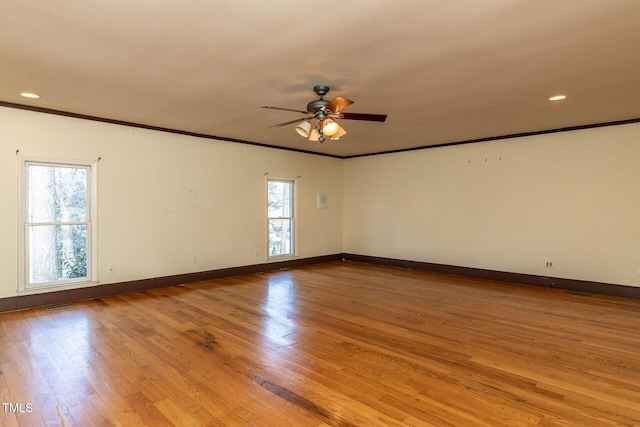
x: 279, y: 320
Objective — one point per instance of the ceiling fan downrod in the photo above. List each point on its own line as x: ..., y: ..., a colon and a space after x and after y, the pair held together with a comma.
x: 317, y: 107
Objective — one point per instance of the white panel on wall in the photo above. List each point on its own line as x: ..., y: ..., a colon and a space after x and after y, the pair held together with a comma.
x: 322, y: 201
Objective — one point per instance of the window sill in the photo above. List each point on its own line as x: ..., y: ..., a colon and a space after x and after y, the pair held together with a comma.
x: 277, y: 258
x: 56, y: 287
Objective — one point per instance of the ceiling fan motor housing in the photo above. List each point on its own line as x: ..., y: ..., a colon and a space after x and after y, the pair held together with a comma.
x: 317, y: 105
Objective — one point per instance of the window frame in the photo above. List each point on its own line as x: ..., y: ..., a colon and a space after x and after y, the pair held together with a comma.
x: 293, y: 218
x: 91, y: 279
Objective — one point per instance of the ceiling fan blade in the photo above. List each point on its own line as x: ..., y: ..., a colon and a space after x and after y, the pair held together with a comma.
x: 367, y: 117
x: 284, y: 109
x: 338, y: 104
x: 279, y: 125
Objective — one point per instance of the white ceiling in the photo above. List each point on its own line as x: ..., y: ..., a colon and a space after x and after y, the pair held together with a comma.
x: 442, y: 70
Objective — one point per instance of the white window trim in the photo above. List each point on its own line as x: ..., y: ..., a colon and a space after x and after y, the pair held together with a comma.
x: 294, y: 254
x: 23, y: 263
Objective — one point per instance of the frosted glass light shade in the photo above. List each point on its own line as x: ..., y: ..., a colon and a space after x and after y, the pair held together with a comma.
x: 303, y: 129
x: 339, y: 133
x: 330, y: 127
x: 314, y: 135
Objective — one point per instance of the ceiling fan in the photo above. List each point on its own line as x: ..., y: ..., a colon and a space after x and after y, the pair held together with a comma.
x: 322, y: 114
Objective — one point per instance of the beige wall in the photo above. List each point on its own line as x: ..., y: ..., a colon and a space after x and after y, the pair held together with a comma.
x: 572, y: 198
x: 165, y: 198
x: 510, y: 205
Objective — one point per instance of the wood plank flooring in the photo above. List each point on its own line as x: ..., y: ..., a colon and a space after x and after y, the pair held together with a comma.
x: 335, y: 344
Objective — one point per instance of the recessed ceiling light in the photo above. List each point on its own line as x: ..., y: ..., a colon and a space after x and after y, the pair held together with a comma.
x: 30, y: 95
x: 557, y: 97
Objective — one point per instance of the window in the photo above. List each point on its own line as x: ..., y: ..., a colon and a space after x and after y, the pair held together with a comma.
x: 58, y: 216
x: 280, y: 218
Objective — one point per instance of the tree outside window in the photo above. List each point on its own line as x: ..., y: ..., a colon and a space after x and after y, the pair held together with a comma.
x: 280, y: 208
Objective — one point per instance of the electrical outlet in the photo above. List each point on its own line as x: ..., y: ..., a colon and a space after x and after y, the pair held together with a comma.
x: 111, y: 268
x: 548, y: 264
x: 255, y: 252
x: 194, y: 260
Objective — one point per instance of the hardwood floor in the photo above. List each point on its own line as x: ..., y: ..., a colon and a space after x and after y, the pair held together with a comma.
x: 336, y: 344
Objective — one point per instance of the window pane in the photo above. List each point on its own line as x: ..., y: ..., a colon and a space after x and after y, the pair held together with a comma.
x: 57, y: 252
x: 280, y: 237
x: 280, y: 199
x: 57, y: 194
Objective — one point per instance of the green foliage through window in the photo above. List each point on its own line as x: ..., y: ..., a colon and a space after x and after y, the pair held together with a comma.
x: 57, y: 218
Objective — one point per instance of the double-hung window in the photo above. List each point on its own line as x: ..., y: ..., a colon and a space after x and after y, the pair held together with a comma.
x: 58, y: 213
x: 281, y: 220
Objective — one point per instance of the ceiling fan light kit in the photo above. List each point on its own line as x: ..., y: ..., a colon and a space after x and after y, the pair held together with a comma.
x: 323, y: 114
